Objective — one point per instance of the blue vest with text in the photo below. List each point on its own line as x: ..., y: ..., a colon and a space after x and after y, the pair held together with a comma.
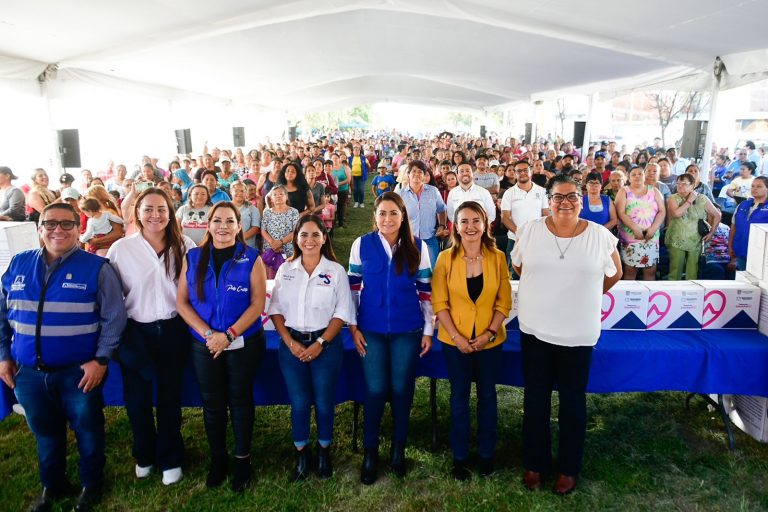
x: 62, y: 314
x: 389, y: 302
x: 226, y: 300
x: 743, y: 221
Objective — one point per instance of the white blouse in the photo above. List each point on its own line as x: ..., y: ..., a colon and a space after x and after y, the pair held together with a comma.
x: 150, y: 295
x: 559, y: 300
x: 309, y: 302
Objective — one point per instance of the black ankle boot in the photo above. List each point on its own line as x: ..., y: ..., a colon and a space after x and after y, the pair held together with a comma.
x: 460, y: 470
x: 303, y: 457
x: 369, y: 471
x: 241, y: 473
x: 217, y: 473
x: 397, y: 460
x: 324, y: 468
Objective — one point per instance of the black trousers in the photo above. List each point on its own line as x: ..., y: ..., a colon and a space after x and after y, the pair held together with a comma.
x: 226, y: 384
x: 546, y: 366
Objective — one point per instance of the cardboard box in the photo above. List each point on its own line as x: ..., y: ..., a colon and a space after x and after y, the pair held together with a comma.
x: 750, y: 414
x: 762, y: 322
x: 512, y: 323
x: 745, y: 277
x: 730, y: 305
x: 265, y: 320
x: 16, y: 237
x: 757, y: 251
x: 625, y: 306
x: 674, y: 305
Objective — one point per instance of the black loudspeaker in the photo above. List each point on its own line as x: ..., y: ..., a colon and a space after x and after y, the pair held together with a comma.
x: 291, y: 133
x: 238, y: 136
x: 528, y: 133
x: 69, y: 148
x: 694, y: 138
x: 482, y: 131
x: 183, y: 141
x: 578, y: 133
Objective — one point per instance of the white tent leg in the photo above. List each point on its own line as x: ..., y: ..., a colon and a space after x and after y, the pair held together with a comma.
x: 593, y: 98
x: 717, y: 71
x: 55, y: 161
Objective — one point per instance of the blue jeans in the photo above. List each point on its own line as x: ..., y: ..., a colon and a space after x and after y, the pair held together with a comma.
x: 358, y: 189
x: 741, y: 263
x: 389, y: 368
x: 433, y: 246
x: 226, y: 385
x: 483, y: 367
x: 50, y: 400
x: 165, y: 347
x: 312, y: 382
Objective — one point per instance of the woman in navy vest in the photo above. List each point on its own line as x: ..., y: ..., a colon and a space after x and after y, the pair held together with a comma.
x: 222, y: 291
x: 752, y: 211
x: 310, y: 303
x: 391, y: 271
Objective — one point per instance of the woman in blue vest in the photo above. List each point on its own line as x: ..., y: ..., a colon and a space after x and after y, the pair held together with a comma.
x: 391, y: 271
x: 598, y: 207
x: 751, y: 211
x: 222, y: 290
x: 311, y: 301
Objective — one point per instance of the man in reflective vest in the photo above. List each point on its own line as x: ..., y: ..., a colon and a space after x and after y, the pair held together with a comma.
x: 61, y: 316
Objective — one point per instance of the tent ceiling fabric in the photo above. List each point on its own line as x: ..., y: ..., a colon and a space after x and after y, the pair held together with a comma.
x: 306, y: 55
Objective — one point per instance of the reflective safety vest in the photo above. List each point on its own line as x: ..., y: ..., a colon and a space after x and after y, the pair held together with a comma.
x: 228, y: 298
x: 55, y: 323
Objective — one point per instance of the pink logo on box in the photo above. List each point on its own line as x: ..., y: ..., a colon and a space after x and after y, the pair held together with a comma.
x: 658, y: 307
x: 264, y: 316
x: 711, y: 306
x: 612, y: 299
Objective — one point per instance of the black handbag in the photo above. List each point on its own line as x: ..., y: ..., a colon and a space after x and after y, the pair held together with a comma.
x: 704, y: 228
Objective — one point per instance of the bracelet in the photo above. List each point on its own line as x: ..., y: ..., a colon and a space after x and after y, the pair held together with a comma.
x: 454, y: 336
x: 229, y: 336
x: 207, y: 333
x: 232, y: 331
x: 491, y: 331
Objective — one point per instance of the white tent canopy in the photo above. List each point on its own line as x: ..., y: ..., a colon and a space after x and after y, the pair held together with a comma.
x: 308, y: 55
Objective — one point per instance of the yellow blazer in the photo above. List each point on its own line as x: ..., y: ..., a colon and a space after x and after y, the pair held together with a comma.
x: 449, y: 291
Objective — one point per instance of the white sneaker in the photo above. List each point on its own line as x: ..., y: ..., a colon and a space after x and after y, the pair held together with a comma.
x: 143, y: 471
x: 362, y: 205
x: 171, y: 476
x: 355, y: 206
x: 18, y: 409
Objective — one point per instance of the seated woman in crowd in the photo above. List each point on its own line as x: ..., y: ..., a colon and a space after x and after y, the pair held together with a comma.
x: 193, y: 216
x: 250, y: 217
x: 38, y: 196
x: 311, y: 302
x: 222, y: 292
x: 277, y: 225
x: 683, y: 239
x: 739, y: 187
x: 471, y: 296
x: 391, y: 272
x: 598, y: 207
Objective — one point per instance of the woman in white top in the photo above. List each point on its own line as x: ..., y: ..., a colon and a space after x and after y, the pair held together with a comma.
x: 565, y: 265
x: 311, y: 301
x: 156, y: 340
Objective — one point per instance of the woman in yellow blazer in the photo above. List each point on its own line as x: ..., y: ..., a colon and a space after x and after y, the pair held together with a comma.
x: 471, y: 296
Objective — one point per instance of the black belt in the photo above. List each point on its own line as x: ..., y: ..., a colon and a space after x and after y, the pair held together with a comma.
x: 306, y: 338
x: 42, y: 367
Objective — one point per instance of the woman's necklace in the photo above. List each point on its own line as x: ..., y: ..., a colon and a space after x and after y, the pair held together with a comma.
x: 563, y: 251
x: 473, y: 258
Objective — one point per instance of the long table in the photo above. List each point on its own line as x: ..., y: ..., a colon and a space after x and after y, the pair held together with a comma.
x: 703, y: 362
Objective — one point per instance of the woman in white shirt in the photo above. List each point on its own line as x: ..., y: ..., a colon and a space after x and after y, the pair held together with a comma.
x: 311, y: 301
x: 565, y: 265
x: 156, y: 341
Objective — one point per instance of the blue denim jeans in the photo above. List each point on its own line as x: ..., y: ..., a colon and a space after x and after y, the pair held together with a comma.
x: 389, y: 368
x: 50, y: 400
x: 358, y: 189
x: 483, y: 367
x: 226, y: 385
x: 309, y: 383
x: 165, y: 347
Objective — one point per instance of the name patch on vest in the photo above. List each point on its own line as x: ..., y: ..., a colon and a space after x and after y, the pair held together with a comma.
x: 74, y: 286
x: 18, y: 284
x: 242, y: 259
x: 233, y: 288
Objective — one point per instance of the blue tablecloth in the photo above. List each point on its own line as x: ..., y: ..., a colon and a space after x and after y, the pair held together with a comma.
x: 713, y: 361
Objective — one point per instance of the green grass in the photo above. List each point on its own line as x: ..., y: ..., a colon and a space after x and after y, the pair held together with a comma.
x: 643, y: 452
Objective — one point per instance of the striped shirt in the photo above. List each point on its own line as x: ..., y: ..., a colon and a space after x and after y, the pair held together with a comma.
x: 423, y: 279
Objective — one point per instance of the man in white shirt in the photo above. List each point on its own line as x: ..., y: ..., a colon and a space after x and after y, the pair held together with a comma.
x: 678, y: 164
x: 521, y: 203
x: 468, y: 190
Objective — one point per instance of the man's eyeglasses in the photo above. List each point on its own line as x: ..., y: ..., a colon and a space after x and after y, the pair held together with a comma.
x: 66, y: 225
x: 573, y: 197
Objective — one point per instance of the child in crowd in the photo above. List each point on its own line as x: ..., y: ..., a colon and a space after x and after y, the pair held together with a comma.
x: 328, y: 213
x: 98, y: 224
x: 383, y: 182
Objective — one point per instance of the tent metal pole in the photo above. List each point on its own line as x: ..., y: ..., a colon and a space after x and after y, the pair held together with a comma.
x: 593, y: 99
x: 43, y: 79
x: 717, y: 71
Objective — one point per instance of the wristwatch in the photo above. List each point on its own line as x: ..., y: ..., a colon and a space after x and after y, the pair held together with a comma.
x: 103, y: 361
x: 321, y: 341
x: 493, y: 335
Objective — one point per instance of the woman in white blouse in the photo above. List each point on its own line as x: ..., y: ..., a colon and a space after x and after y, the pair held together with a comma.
x: 311, y: 301
x: 155, y: 344
x: 565, y: 265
